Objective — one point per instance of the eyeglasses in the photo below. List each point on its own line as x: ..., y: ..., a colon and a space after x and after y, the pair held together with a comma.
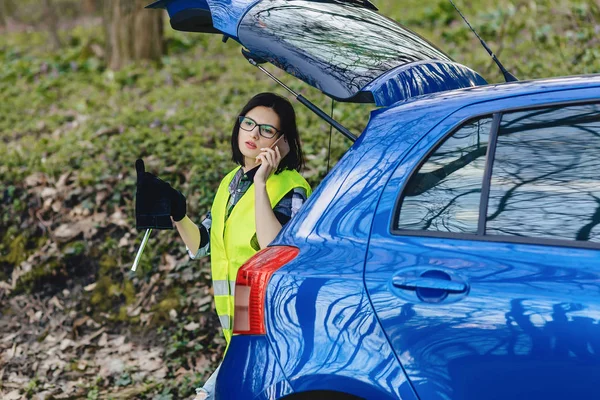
x: 266, y: 131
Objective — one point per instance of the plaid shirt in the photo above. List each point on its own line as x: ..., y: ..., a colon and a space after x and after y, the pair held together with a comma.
x: 287, y: 207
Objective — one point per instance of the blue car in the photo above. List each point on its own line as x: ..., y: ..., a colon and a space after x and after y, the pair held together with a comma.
x: 452, y: 253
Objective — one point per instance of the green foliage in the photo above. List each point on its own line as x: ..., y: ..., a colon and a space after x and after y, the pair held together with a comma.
x: 171, y: 300
x: 39, y: 275
x: 93, y: 394
x: 33, y: 386
x: 110, y: 294
x: 124, y: 380
x: 13, y: 247
x: 76, y: 248
x: 533, y: 39
x: 164, y: 395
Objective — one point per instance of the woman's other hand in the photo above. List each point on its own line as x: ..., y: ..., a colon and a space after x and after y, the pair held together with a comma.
x: 156, y: 201
x: 269, y: 161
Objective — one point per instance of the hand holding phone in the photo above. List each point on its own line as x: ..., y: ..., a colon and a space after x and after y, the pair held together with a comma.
x: 282, y: 144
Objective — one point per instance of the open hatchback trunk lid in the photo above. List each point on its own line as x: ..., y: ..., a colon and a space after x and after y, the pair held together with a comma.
x: 342, y: 47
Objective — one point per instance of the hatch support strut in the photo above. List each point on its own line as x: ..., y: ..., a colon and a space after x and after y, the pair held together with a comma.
x: 304, y: 101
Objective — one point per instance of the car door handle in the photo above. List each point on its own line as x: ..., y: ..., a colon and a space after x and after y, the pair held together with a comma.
x: 413, y: 283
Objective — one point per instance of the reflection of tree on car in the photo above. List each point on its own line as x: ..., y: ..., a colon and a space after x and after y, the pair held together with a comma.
x: 528, y: 167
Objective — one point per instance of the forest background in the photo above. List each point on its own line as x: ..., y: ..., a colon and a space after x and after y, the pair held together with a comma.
x: 77, y: 107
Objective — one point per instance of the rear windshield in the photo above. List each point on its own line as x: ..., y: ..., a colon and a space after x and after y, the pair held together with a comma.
x: 317, y: 41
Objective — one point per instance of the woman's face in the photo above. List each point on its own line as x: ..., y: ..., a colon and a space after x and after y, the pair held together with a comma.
x: 250, y: 142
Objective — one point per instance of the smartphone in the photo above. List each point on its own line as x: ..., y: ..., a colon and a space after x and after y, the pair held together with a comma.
x: 283, y: 145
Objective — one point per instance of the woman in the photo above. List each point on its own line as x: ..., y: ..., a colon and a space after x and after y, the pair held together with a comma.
x: 252, y: 203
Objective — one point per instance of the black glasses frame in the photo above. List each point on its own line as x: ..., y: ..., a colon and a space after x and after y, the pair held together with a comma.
x: 241, y: 119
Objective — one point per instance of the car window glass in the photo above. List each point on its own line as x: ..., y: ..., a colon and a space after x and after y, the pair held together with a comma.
x: 353, y: 45
x: 546, y: 174
x: 444, y: 194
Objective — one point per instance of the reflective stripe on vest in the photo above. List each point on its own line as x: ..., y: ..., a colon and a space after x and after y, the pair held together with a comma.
x: 222, y: 287
x: 230, y: 240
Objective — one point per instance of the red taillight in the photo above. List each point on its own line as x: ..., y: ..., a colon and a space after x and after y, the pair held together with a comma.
x: 251, y: 287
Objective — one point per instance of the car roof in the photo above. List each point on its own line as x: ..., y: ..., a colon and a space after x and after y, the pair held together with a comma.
x: 424, y: 108
x: 462, y: 97
x: 501, y: 90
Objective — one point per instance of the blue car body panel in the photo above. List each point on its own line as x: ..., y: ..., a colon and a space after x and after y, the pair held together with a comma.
x: 527, y: 327
x: 225, y: 14
x: 174, y: 7
x: 384, y: 64
x: 334, y: 322
x: 353, y: 356
x: 252, y: 371
x: 420, y: 78
x: 316, y: 41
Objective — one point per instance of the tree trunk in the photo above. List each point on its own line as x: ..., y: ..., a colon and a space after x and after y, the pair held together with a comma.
x: 5, y: 11
x: 51, y: 18
x: 132, y: 32
x: 88, y: 7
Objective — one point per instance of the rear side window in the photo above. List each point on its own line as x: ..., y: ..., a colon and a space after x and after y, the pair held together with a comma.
x: 444, y: 194
x: 546, y: 175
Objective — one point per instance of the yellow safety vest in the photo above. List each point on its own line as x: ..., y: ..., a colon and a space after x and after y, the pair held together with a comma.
x: 230, y: 240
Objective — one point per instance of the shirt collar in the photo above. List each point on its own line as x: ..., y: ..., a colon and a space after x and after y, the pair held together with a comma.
x: 250, y: 174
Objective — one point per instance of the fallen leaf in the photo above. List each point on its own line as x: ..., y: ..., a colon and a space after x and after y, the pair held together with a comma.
x: 78, y: 322
x: 48, y: 192
x: 14, y: 395
x: 56, y: 206
x: 66, y: 232
x: 66, y: 343
x: 168, y: 263
x: 61, y: 183
x: 191, y: 326
x: 118, y: 218
x: 124, y: 241
x: 125, y: 348
x: 101, y: 196
x: 35, y: 179
x: 19, y: 271
x: 10, y: 337
x: 45, y: 395
x: 161, y: 373
x: 56, y: 303
x: 86, y: 340
x: 103, y: 340
x: 87, y: 227
x: 17, y: 378
x: 111, y: 367
x: 118, y: 341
